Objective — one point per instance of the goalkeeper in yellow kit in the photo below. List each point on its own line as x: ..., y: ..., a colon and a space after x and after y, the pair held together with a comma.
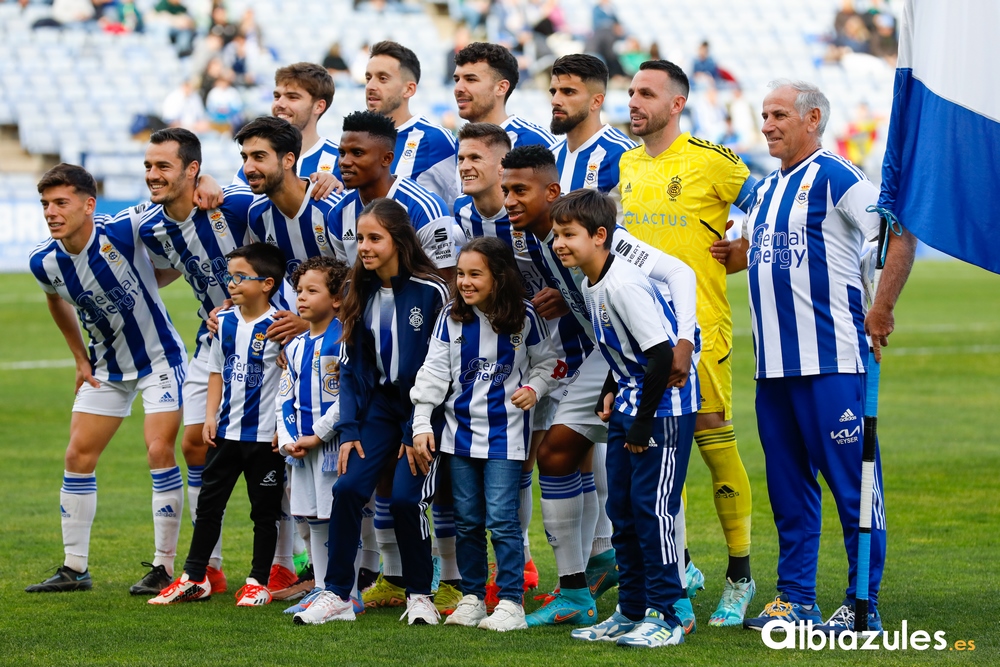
x: 676, y: 192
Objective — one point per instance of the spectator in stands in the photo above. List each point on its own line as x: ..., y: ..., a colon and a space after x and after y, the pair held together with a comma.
x: 704, y: 63
x: 632, y: 55
x: 213, y: 71
x: 122, y: 16
x: 472, y: 13
x: 840, y: 20
x: 607, y: 31
x: 242, y: 57
x: 884, y: 42
x: 335, y: 64
x: 855, y: 37
x: 74, y: 13
x: 359, y: 64
x: 463, y: 37
x: 181, y: 25
x: 183, y: 108
x: 221, y: 25
x: 224, y: 106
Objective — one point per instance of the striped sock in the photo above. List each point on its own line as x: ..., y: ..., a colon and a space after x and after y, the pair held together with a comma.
x: 168, y: 504
x: 444, y: 536
x: 562, y: 513
x: 77, y: 505
x: 385, y: 534
x: 602, y: 534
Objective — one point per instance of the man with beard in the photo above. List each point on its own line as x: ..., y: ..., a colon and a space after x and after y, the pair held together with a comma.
x: 366, y: 156
x: 588, y: 156
x: 676, y: 194
x: 303, y: 92
x: 485, y: 77
x: 424, y: 152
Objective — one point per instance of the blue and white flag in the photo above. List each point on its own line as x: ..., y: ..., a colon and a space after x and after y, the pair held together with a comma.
x: 941, y: 173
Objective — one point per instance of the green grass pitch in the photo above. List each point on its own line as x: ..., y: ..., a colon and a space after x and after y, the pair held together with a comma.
x: 937, y: 423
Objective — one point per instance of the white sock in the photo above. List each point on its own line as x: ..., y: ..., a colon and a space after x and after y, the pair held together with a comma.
x: 303, y: 532
x: 168, y: 505
x: 357, y: 563
x: 589, y: 523
x: 562, y: 513
x: 524, y: 511
x: 679, y: 541
x: 193, y: 493
x: 444, y: 537
x: 602, y: 535
x: 283, y: 554
x: 77, y: 505
x: 385, y: 534
x: 369, y: 545
x: 319, y: 535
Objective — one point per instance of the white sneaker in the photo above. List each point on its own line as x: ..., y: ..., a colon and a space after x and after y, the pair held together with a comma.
x: 469, y: 612
x: 184, y: 590
x: 253, y: 594
x: 507, y: 616
x: 326, y: 607
x: 420, y: 610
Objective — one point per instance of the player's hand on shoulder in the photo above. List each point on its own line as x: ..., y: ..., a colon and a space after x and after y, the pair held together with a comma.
x: 208, y: 194
x: 326, y: 184
x: 213, y: 317
x: 287, y: 325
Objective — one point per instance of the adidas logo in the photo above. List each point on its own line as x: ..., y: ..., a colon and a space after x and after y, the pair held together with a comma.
x: 726, y: 491
x: 57, y: 282
x: 348, y: 235
x: 460, y: 340
x: 848, y: 416
x: 652, y: 443
x: 166, y: 511
x: 166, y: 398
x: 65, y: 514
x: 628, y: 189
x: 270, y: 239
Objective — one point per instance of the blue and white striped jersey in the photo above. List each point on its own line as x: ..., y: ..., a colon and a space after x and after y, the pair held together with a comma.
x: 485, y: 369
x: 112, y: 285
x: 428, y: 215
x: 629, y: 314
x: 304, y: 236
x: 323, y: 157
x: 428, y: 154
x: 524, y: 133
x: 246, y: 359
x: 310, y: 385
x: 570, y: 339
x: 807, y: 229
x: 593, y: 165
x: 197, y: 246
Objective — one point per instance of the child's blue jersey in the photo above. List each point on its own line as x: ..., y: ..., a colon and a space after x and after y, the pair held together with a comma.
x: 112, y: 285
x: 310, y: 385
x: 247, y: 361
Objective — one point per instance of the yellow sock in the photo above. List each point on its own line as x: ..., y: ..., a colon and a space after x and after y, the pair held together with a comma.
x: 730, y: 486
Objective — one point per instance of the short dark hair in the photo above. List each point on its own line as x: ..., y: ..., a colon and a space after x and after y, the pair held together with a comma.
x: 72, y: 175
x: 591, y: 208
x: 374, y: 124
x: 283, y: 136
x: 489, y: 133
x: 188, y: 144
x: 500, y: 60
x: 532, y: 156
x: 675, y: 73
x: 311, y: 77
x: 588, y: 68
x: 335, y: 270
x: 407, y: 59
x: 266, y: 259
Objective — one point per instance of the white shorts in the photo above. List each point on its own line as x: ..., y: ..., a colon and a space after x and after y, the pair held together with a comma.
x: 576, y: 408
x: 311, y: 488
x: 196, y: 388
x: 161, y: 392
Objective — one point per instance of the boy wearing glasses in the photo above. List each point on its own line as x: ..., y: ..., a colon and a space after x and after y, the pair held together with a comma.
x: 239, y: 427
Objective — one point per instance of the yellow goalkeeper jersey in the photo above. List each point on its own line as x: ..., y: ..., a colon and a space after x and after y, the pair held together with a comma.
x: 679, y: 202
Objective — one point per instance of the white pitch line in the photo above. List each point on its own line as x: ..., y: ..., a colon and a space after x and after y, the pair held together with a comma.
x: 34, y: 365
x: 941, y: 327
x: 935, y: 351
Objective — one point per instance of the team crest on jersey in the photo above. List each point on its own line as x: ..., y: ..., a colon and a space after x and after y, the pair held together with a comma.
x: 320, y: 235
x: 591, y: 177
x: 416, y: 317
x: 674, y: 189
x: 410, y: 151
x: 605, y: 317
x: 519, y: 241
x: 802, y: 198
x: 326, y: 168
x: 111, y: 253
x: 331, y: 379
x: 218, y: 222
x: 516, y: 340
x: 257, y: 345
x: 285, y: 384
